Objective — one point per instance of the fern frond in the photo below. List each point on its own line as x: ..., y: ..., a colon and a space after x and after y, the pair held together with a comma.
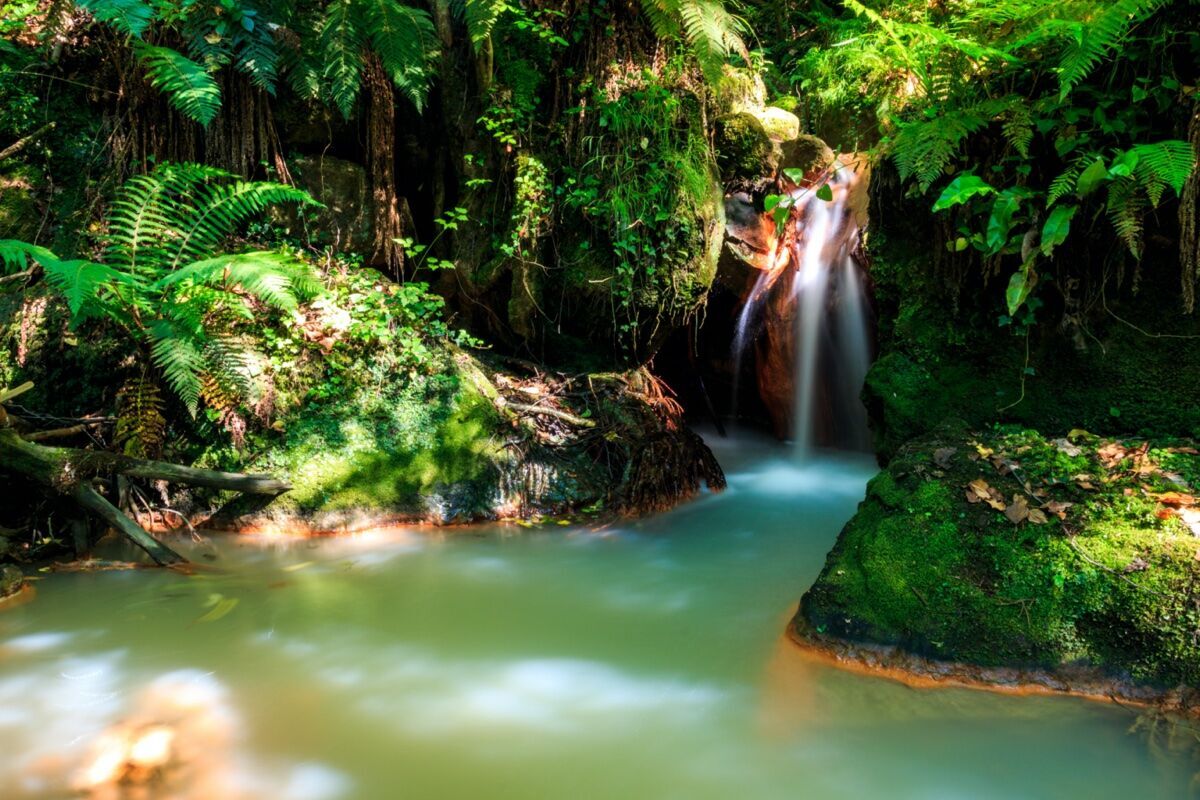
x: 217, y: 210
x: 404, y: 39
x: 15, y: 255
x: 1162, y: 164
x: 174, y: 349
x: 189, y: 87
x: 1090, y: 41
x: 131, y: 17
x: 1017, y: 127
x: 1064, y: 184
x: 342, y: 53
x: 479, y: 16
x: 83, y: 284
x: 141, y: 426
x: 1126, y: 207
x: 273, y: 278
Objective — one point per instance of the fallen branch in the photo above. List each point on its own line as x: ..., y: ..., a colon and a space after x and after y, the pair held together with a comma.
x: 25, y: 141
x: 69, y: 471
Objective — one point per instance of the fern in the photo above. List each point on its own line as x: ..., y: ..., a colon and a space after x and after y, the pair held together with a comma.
x: 132, y: 17
x: 1162, y: 164
x: 924, y: 149
x: 161, y: 284
x: 141, y: 426
x: 188, y: 86
x: 1065, y: 183
x: 711, y: 32
x: 1126, y: 206
x: 1088, y: 42
x: 479, y: 16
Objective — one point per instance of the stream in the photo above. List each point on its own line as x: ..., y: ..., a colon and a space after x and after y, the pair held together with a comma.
x: 639, y: 660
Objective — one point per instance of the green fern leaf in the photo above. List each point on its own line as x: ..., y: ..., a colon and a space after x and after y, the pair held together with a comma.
x: 132, y: 17
x: 342, y: 46
x: 190, y: 89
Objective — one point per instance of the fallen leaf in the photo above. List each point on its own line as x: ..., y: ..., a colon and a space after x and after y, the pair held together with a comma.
x: 1078, y: 433
x: 1018, y: 510
x: 1176, y: 499
x: 1137, y: 565
x: 1191, y: 451
x: 1037, y: 517
x: 983, y: 452
x: 220, y: 607
x: 942, y: 456
x: 1066, y: 447
x: 1058, y: 508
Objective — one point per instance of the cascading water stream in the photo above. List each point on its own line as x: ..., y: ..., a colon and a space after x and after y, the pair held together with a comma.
x: 825, y: 302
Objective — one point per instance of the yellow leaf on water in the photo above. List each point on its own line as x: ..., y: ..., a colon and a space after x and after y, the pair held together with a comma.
x: 298, y: 567
x: 222, y: 607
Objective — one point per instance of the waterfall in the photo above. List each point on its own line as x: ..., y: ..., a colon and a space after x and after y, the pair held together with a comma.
x: 818, y: 293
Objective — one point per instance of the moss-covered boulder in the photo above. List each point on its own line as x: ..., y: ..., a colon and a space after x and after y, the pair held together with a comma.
x: 1077, y: 556
x: 466, y: 439
x: 644, y: 222
x: 745, y: 153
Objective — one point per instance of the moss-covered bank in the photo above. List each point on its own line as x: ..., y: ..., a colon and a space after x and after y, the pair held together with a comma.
x: 1076, y: 555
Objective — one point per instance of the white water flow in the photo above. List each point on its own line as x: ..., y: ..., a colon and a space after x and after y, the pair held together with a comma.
x: 742, y: 337
x: 831, y: 321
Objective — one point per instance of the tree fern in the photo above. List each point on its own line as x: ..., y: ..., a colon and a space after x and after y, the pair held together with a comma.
x: 188, y: 85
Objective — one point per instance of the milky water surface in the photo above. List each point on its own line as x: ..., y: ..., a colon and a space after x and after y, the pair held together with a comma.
x: 640, y: 660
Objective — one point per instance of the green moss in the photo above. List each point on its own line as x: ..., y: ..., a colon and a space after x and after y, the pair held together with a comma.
x: 744, y: 151
x: 417, y: 447
x: 1112, y: 585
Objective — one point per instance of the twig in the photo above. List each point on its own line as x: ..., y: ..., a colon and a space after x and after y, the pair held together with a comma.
x: 552, y: 412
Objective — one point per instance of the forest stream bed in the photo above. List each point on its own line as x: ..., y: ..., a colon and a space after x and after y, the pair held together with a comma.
x: 634, y: 660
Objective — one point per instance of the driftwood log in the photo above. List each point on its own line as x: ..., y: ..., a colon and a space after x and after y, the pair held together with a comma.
x: 70, y: 472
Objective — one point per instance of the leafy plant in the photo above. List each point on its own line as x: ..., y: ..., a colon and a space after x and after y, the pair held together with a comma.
x: 161, y: 284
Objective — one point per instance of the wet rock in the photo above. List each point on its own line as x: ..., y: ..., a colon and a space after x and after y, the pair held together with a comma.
x: 11, y: 580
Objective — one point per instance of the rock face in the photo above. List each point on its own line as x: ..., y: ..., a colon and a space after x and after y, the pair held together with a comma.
x: 1074, y: 556
x: 342, y: 186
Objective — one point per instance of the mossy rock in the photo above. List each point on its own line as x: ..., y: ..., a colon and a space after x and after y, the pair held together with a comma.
x: 927, y: 566
x: 781, y: 126
x: 745, y: 153
x: 805, y: 152
x: 739, y: 90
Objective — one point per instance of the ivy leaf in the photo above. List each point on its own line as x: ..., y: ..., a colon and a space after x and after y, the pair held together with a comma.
x: 962, y: 189
x: 1000, y: 222
x: 1091, y: 178
x: 771, y: 201
x: 1057, y: 227
x: 825, y: 193
x: 793, y: 174
x: 1019, y: 287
